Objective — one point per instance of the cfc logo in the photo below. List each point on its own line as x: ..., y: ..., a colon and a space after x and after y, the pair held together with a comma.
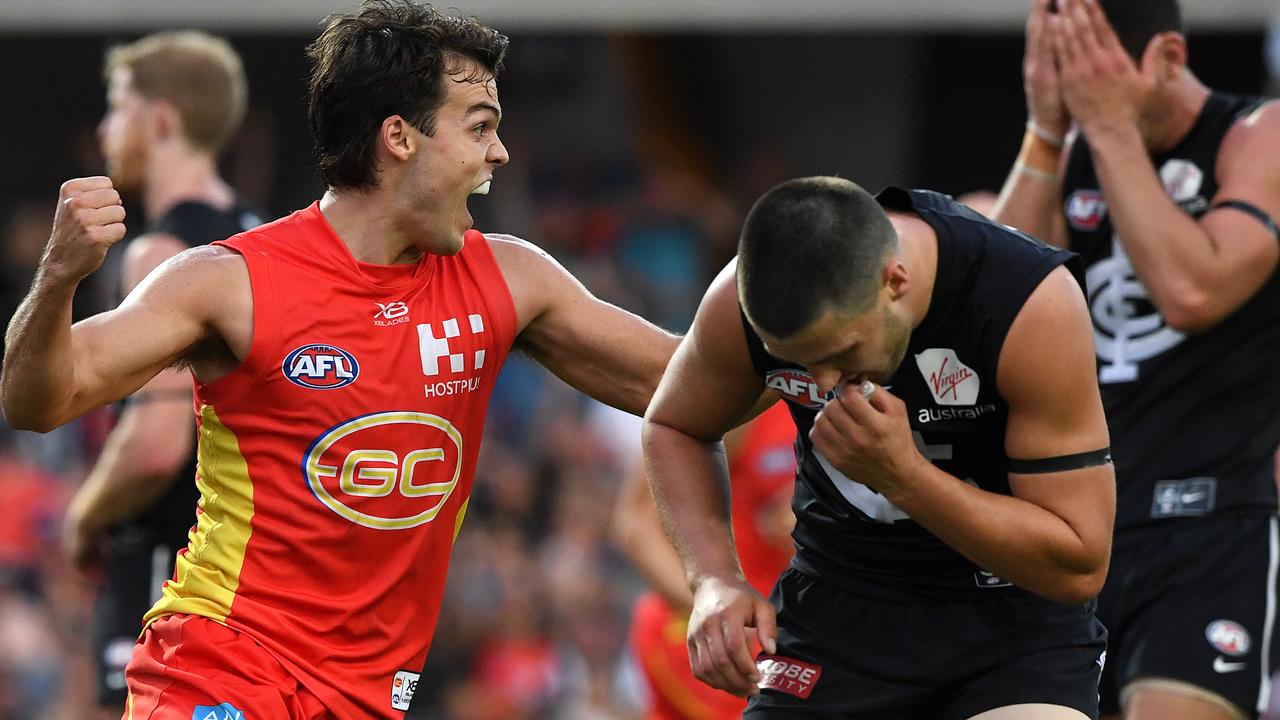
x: 374, y: 471
x: 320, y: 367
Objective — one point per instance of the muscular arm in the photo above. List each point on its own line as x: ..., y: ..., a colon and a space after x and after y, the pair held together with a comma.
x: 638, y: 532
x: 55, y: 372
x: 708, y: 386
x: 600, y: 349
x: 151, y: 440
x: 1196, y: 273
x: 1053, y: 535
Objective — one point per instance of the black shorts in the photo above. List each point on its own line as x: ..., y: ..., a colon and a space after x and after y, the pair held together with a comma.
x: 1194, y: 600
x: 846, y: 656
x: 135, y: 566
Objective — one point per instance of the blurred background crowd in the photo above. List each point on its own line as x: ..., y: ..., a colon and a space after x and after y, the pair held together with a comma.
x: 634, y: 158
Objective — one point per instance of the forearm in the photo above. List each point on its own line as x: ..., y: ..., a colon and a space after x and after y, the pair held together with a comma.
x: 140, y: 461
x: 653, y: 556
x: 37, y: 380
x: 1171, y: 254
x: 1029, y: 199
x: 689, y: 480
x: 1010, y: 537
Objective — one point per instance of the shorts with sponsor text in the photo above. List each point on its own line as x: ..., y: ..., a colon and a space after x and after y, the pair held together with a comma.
x: 187, y: 667
x: 1193, y: 600
x: 843, y: 655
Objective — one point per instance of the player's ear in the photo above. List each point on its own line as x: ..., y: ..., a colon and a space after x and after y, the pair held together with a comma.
x: 896, y: 278
x: 1165, y: 57
x: 163, y: 120
x: 396, y: 137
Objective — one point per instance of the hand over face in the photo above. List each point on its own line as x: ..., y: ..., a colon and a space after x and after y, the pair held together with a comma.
x: 1101, y: 85
x: 868, y: 438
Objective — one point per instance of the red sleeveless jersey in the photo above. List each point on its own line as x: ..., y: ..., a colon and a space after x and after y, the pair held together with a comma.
x: 335, y: 463
x: 762, y: 473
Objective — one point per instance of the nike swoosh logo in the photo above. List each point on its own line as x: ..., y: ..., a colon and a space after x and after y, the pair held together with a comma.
x: 1220, y: 665
x: 1188, y: 498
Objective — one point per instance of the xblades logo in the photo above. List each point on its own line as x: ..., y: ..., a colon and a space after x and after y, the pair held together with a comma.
x: 392, y: 313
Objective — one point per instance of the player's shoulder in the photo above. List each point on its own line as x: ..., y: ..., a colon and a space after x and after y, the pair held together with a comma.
x: 1254, y: 135
x: 202, y: 266
x: 510, y: 248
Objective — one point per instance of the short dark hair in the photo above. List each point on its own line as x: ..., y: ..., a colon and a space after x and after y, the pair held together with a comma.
x: 1137, y: 21
x: 809, y: 244
x: 388, y: 58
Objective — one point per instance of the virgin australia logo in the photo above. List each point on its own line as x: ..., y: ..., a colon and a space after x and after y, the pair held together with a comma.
x: 950, y: 381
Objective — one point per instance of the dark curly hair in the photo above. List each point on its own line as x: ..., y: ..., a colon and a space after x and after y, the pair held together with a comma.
x: 388, y: 58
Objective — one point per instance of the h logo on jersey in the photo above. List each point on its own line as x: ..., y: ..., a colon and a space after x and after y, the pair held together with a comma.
x: 433, y: 344
x: 950, y: 381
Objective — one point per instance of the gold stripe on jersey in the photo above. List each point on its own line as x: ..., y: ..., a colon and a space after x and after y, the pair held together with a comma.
x: 457, y: 522
x: 207, y: 575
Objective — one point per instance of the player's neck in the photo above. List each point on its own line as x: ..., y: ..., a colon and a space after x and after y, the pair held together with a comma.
x: 369, y: 226
x: 1189, y: 97
x: 173, y: 178
x: 918, y: 247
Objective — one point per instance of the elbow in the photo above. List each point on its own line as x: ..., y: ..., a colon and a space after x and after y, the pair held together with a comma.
x: 1077, y: 588
x: 1190, y: 312
x: 20, y: 418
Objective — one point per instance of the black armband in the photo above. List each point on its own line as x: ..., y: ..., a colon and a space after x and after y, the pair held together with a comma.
x: 1061, y: 463
x: 1253, y: 211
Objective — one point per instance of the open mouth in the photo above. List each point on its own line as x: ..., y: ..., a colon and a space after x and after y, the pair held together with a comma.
x: 482, y: 188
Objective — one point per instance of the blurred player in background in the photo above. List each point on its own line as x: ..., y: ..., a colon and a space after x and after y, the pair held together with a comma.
x: 762, y: 472
x: 174, y: 99
x: 343, y: 358
x: 954, y: 494
x: 1170, y: 192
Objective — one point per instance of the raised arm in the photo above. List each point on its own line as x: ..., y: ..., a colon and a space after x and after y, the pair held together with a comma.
x: 150, y: 442
x: 54, y: 372
x: 708, y: 386
x: 1196, y: 272
x: 1030, y: 198
x: 602, y: 350
x: 1053, y: 535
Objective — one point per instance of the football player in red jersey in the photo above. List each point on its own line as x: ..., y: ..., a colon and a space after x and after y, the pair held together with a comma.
x: 343, y: 359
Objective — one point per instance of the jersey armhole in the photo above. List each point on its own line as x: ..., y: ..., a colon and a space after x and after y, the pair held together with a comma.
x: 484, y: 258
x: 265, y: 340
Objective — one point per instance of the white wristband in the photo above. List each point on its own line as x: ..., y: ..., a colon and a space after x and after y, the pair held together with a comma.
x: 1057, y: 141
x: 1036, y: 173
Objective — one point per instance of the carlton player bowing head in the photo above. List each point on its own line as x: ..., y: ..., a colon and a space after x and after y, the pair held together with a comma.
x: 954, y: 497
x: 343, y: 360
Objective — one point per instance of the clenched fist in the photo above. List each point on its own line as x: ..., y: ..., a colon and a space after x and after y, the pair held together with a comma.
x: 89, y: 220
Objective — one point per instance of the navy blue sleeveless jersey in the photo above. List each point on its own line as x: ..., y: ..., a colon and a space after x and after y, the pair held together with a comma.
x: 846, y: 533
x: 194, y: 223
x: 1195, y: 419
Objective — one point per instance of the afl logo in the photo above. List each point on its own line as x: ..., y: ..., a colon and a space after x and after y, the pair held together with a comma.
x: 374, y: 471
x: 1228, y: 636
x: 796, y: 386
x: 321, y: 367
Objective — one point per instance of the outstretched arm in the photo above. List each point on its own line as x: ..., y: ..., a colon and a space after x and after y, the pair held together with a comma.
x: 600, y: 349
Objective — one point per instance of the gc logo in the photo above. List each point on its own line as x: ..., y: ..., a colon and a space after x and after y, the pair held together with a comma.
x: 370, y: 471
